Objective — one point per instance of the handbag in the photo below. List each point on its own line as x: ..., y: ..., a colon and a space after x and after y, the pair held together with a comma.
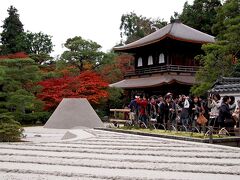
x: 235, y: 116
x: 201, y: 119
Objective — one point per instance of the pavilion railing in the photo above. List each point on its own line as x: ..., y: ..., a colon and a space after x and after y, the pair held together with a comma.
x: 165, y: 68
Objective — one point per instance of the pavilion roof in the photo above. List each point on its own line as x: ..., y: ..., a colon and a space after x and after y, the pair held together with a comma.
x: 175, y: 30
x: 153, y: 81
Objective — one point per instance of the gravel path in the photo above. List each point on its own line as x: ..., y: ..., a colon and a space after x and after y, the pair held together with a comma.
x: 109, y: 155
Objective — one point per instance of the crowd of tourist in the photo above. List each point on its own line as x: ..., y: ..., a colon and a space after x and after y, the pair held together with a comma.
x: 186, y: 111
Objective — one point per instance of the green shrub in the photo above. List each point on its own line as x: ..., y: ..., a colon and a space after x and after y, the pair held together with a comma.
x: 116, y: 99
x: 100, y: 112
x: 10, y: 130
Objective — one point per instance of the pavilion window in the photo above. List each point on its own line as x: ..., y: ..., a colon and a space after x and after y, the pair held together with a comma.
x: 150, y: 60
x: 161, y: 59
x: 139, y: 62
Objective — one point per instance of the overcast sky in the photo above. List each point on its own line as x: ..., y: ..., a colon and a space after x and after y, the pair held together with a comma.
x: 97, y: 20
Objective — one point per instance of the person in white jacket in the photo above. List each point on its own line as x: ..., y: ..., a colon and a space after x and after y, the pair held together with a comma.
x: 214, y: 104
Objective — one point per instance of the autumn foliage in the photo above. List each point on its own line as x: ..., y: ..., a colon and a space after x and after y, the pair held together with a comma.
x: 124, y: 62
x: 114, y: 72
x: 15, y: 55
x: 86, y: 85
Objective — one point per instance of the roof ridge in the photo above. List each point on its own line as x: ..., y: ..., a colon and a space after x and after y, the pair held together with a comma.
x: 170, y: 28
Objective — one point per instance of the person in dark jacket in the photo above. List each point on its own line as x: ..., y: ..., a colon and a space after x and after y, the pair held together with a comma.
x: 224, y: 113
x: 194, y: 110
x: 152, y: 108
x: 133, y: 115
x: 164, y: 110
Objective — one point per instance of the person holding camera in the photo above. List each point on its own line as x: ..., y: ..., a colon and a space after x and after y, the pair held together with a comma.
x: 213, y: 104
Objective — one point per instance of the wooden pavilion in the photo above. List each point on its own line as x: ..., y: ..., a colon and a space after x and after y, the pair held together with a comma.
x: 164, y: 60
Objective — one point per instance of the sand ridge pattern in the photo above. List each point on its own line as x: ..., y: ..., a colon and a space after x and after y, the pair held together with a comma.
x: 110, y: 155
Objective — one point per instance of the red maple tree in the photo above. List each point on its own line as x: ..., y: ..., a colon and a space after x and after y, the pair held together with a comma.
x: 86, y: 85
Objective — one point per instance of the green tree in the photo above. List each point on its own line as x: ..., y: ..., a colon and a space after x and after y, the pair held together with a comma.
x: 39, y: 46
x: 215, y: 63
x: 81, y: 52
x: 115, y: 100
x: 109, y: 68
x: 228, y: 25
x: 18, y: 88
x: 22, y: 101
x: 201, y: 15
x: 12, y: 37
x: 134, y: 27
x: 222, y: 58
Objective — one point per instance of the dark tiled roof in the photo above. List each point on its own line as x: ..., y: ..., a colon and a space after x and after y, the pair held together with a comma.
x: 226, y: 84
x: 174, y: 30
x: 228, y: 80
x: 226, y: 88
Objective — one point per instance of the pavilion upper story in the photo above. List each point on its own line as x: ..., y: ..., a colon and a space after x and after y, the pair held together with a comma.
x: 169, y: 49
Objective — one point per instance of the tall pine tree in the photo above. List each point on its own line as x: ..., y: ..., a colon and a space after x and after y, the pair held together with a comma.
x: 12, y: 38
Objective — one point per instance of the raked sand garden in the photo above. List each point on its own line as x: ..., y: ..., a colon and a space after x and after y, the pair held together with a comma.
x: 97, y: 154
